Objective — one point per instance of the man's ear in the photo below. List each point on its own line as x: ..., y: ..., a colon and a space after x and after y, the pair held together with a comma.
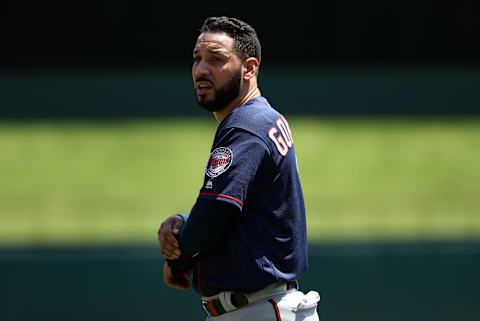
x: 250, y: 66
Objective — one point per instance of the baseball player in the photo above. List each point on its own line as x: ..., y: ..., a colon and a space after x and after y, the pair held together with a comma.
x: 244, y: 240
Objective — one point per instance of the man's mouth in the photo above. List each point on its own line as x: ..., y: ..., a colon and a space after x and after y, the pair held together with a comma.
x: 202, y: 88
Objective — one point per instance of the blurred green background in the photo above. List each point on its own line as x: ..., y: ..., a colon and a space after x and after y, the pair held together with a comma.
x: 115, y: 181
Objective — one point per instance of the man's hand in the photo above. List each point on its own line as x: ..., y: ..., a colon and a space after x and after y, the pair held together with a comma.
x: 167, y: 236
x: 175, y: 280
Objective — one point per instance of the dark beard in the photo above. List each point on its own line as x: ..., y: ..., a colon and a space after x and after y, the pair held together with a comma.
x: 224, y: 95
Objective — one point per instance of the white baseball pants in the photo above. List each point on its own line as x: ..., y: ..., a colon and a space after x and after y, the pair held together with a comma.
x: 293, y: 305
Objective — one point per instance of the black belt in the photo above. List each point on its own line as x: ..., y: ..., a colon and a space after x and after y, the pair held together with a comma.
x: 215, y: 308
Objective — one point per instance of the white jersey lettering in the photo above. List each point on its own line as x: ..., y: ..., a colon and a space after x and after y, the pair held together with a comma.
x: 283, y: 140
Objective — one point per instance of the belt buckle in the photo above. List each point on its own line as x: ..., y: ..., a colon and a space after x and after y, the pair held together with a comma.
x: 238, y: 299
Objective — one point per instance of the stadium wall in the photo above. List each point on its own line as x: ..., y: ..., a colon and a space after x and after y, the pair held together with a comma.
x: 77, y: 94
x: 374, y: 282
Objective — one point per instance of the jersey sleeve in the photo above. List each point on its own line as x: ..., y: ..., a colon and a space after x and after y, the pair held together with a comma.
x: 233, y: 167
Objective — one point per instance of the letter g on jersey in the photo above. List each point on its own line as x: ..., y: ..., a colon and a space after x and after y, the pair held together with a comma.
x: 219, y: 161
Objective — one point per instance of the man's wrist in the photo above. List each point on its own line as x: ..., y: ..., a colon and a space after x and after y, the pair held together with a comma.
x: 180, y: 265
x: 184, y: 217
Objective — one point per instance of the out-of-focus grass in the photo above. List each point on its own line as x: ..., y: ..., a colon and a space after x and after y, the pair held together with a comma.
x: 391, y: 178
x: 75, y: 182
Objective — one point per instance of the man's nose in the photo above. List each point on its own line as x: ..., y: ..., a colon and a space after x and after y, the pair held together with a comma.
x: 201, y: 69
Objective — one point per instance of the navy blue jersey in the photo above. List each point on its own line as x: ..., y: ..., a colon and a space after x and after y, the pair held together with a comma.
x: 253, y: 166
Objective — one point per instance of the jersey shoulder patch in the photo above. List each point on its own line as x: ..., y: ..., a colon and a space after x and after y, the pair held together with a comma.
x: 218, y: 163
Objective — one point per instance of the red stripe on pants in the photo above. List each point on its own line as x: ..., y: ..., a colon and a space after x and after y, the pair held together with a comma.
x: 275, y: 307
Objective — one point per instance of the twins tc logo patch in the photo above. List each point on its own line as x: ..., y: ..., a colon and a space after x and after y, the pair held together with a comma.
x: 219, y: 161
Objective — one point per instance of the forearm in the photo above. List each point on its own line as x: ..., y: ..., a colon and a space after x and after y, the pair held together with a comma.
x: 204, y: 227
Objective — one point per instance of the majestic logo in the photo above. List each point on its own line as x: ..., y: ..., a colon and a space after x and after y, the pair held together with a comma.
x: 209, y: 184
x: 219, y: 161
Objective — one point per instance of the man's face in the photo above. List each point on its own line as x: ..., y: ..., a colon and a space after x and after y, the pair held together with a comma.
x: 216, y: 71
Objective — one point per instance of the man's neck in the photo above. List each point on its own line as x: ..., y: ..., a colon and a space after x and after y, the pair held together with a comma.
x: 221, y: 114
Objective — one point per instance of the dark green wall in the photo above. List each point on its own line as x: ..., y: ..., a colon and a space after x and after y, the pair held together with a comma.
x: 374, y: 282
x: 169, y: 92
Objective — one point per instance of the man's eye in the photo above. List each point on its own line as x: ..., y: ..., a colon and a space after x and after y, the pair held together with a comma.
x: 196, y: 59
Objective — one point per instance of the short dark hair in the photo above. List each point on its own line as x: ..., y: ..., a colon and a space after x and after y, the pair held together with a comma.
x: 245, y: 39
